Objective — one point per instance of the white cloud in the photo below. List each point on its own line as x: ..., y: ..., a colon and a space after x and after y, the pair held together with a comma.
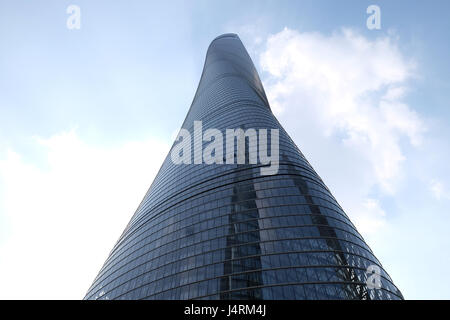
x: 354, y: 86
x: 438, y: 190
x: 348, y: 90
x: 371, y: 217
x: 64, y: 218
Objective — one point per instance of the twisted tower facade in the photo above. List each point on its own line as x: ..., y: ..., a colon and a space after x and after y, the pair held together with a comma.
x: 225, y: 231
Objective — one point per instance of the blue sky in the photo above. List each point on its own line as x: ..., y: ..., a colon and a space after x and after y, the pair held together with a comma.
x: 87, y: 117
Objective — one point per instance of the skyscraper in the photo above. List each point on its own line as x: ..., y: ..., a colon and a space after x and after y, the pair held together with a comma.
x: 228, y: 231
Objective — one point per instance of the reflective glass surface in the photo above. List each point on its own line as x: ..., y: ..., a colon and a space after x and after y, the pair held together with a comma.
x: 226, y: 231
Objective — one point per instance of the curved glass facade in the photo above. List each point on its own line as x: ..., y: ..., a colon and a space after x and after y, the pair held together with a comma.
x: 224, y: 231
